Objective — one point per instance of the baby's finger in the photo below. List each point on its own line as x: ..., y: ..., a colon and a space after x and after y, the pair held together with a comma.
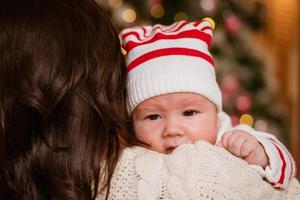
x: 237, y: 144
x: 257, y: 154
x: 231, y: 139
x: 248, y: 149
x: 219, y: 144
x: 224, y: 139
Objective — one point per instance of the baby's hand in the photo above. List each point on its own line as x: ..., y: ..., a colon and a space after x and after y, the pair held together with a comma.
x: 245, y: 146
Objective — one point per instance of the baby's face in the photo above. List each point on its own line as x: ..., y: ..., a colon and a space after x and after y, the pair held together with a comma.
x: 167, y: 121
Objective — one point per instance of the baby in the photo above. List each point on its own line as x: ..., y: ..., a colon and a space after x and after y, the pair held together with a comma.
x: 174, y: 98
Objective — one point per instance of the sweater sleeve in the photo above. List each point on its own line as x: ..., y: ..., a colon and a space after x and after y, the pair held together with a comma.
x: 282, y: 166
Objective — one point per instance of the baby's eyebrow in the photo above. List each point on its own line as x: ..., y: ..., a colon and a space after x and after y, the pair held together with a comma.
x: 146, y: 109
x: 193, y: 102
x: 152, y: 106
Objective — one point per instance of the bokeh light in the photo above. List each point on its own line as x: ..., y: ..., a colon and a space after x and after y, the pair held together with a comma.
x: 246, y: 119
x: 235, y: 120
x: 129, y: 15
x: 157, y: 11
x: 243, y: 103
x: 261, y: 125
x: 180, y: 16
x: 115, y: 3
x: 207, y: 5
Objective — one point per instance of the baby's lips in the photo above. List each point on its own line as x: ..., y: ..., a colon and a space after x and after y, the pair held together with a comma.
x: 171, y: 149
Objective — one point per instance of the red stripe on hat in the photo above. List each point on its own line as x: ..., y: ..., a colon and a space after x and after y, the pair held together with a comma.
x: 179, y: 27
x: 144, y: 31
x: 135, y: 33
x: 169, y: 29
x: 196, y: 34
x: 167, y: 52
x: 206, y: 28
x: 163, y: 29
x: 197, y: 23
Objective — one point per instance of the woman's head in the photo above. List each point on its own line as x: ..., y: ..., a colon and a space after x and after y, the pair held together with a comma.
x: 62, y: 97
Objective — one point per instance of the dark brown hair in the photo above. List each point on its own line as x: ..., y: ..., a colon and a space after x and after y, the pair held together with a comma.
x: 62, y: 99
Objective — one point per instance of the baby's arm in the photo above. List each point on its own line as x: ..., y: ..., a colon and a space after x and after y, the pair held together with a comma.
x: 281, y: 164
x: 244, y: 145
x: 267, y: 155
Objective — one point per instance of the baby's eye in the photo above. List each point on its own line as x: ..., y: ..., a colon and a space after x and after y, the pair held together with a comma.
x: 190, y: 113
x: 153, y: 117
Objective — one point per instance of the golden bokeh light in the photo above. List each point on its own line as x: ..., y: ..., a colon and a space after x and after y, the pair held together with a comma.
x: 129, y: 15
x: 180, y: 16
x: 115, y: 3
x: 157, y: 11
x: 246, y: 119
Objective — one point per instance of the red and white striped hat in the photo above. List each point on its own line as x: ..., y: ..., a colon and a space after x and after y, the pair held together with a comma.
x: 167, y: 59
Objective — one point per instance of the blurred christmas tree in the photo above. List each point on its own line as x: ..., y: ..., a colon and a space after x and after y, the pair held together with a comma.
x: 240, y: 67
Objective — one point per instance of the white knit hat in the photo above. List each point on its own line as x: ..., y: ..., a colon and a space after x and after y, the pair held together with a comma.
x: 167, y: 59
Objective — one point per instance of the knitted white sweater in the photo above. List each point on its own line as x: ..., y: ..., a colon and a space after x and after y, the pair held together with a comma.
x: 191, y: 172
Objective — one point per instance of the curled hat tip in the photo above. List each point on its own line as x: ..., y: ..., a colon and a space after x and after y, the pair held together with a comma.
x: 210, y: 21
x: 124, y: 52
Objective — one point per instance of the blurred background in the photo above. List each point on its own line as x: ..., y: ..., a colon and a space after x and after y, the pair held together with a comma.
x: 256, y: 52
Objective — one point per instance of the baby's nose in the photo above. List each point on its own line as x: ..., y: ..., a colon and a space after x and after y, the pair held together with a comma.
x: 173, y: 128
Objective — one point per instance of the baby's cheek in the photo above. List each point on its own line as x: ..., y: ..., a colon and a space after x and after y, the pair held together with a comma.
x: 142, y: 136
x: 147, y: 137
x: 140, y: 131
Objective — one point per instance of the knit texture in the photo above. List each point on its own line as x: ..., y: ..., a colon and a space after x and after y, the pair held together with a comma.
x: 192, y: 171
